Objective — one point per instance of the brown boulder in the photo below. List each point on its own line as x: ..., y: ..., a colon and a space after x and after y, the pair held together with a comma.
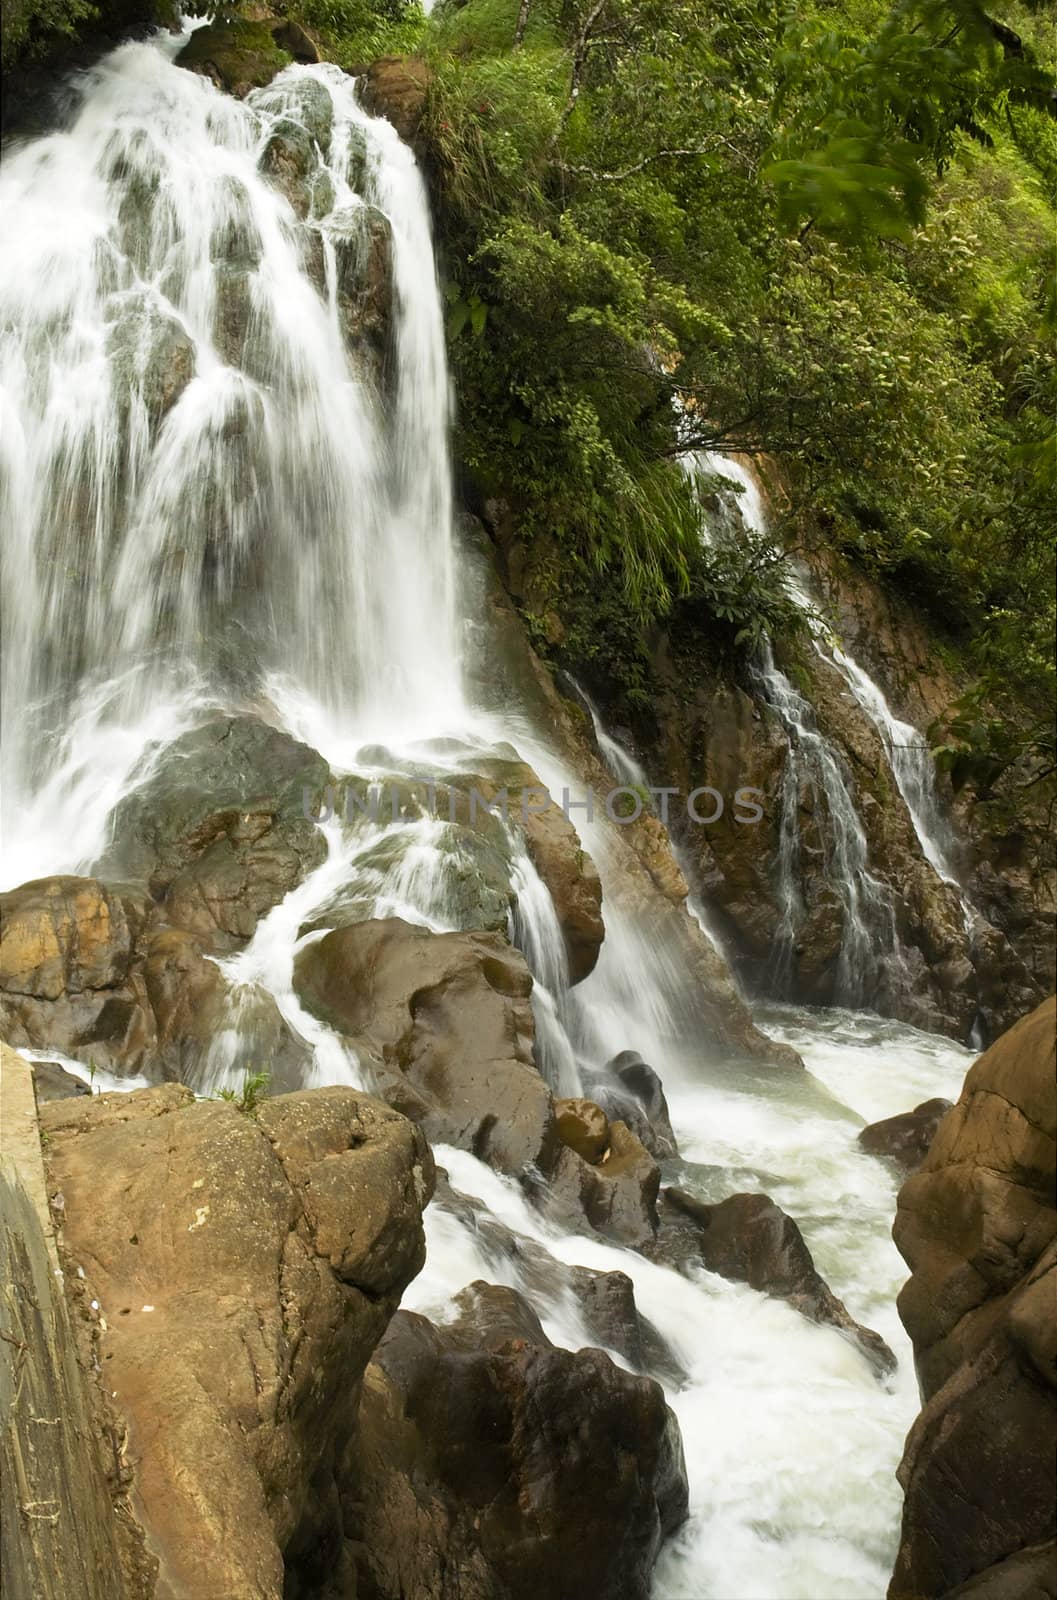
x: 905, y: 1139
x: 584, y: 1127
x: 447, y: 1017
x: 977, y: 1223
x: 751, y: 1240
x: 493, y: 1463
x: 617, y: 1195
x: 397, y: 87
x: 68, y: 981
x: 238, y: 1273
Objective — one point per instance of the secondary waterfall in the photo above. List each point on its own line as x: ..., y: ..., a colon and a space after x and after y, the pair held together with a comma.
x: 210, y: 504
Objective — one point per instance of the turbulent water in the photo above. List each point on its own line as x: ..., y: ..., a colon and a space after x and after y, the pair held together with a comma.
x: 281, y: 541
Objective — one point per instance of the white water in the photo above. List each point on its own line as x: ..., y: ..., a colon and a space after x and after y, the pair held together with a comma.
x: 282, y: 541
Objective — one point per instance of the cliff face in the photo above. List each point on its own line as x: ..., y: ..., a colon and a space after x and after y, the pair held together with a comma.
x: 977, y: 1223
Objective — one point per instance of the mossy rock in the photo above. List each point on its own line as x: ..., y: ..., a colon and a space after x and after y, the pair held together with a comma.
x: 302, y: 100
x: 238, y: 56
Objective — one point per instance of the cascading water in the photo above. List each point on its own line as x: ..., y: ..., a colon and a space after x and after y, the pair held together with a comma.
x: 201, y: 493
x: 211, y: 506
x: 870, y: 941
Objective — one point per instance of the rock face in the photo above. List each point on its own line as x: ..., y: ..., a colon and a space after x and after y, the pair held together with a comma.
x: 397, y: 87
x: 244, y: 1270
x: 905, y: 1139
x: 751, y: 1240
x: 218, y: 831
x: 977, y: 1224
x: 447, y: 1019
x: 239, y: 56
x: 493, y: 1463
x: 86, y: 970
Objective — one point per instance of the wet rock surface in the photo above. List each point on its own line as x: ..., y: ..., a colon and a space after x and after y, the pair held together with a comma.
x: 905, y: 1139
x: 977, y: 1224
x: 447, y: 1018
x: 751, y: 1240
x: 218, y: 831
x: 492, y: 1462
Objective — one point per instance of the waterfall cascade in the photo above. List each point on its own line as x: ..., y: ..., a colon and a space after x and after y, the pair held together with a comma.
x: 212, y: 506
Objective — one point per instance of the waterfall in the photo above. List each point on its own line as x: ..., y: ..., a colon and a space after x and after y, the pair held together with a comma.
x: 870, y: 950
x: 214, y: 500
x: 202, y: 493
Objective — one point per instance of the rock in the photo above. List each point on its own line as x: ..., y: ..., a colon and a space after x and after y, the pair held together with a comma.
x: 492, y: 1463
x: 208, y: 1030
x: 289, y: 161
x: 448, y: 1016
x: 243, y: 1270
x: 218, y: 830
x: 363, y: 244
x: 618, y: 1196
x: 645, y: 1087
x: 68, y: 981
x: 583, y: 1127
x: 905, y: 1139
x: 751, y: 1240
x: 296, y: 41
x: 605, y: 1300
x: 977, y: 1224
x: 397, y: 87
x: 236, y: 56
x: 52, y: 1082
x: 152, y: 357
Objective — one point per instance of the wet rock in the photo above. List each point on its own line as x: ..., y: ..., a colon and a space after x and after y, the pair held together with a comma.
x: 301, y: 100
x: 617, y: 1197
x: 152, y: 356
x: 218, y: 830
x: 363, y: 245
x: 977, y: 1224
x: 52, y: 1082
x: 584, y: 1127
x: 449, y: 1017
x: 604, y: 1300
x: 289, y: 161
x: 237, y: 56
x: 905, y: 1139
x: 492, y: 1464
x: 397, y: 88
x: 552, y: 842
x: 244, y: 1269
x: 644, y: 1085
x: 210, y: 1031
x: 751, y: 1240
x: 68, y: 979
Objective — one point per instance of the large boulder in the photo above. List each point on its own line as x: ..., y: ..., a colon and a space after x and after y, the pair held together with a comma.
x: 68, y: 978
x: 751, y: 1240
x: 977, y: 1224
x: 493, y: 1463
x: 238, y: 55
x: 905, y: 1139
x: 397, y: 88
x: 218, y: 830
x: 237, y: 1274
x: 447, y: 1019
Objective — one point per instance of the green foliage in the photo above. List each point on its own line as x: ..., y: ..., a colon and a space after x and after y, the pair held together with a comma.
x: 826, y: 238
x: 248, y: 1098
x: 29, y: 29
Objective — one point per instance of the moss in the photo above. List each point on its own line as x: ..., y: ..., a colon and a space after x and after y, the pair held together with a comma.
x: 237, y: 56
